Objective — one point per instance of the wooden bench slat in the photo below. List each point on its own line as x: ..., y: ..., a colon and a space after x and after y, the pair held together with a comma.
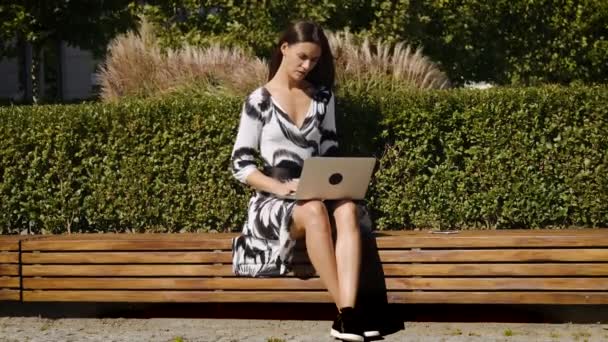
x: 6, y: 294
x: 416, y: 239
x: 488, y: 284
x: 472, y: 284
x: 9, y: 269
x: 484, y: 255
x: 455, y: 241
x: 9, y: 258
x: 510, y: 269
x: 178, y: 296
x: 9, y: 243
x: 126, y: 257
x: 6, y: 282
x: 494, y: 233
x: 523, y: 297
x: 431, y: 270
x: 439, y: 297
x: 124, y: 245
x: 495, y: 255
x: 133, y: 236
x: 126, y: 270
x: 174, y: 283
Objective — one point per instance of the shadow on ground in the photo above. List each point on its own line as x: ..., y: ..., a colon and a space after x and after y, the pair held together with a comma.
x: 400, y: 312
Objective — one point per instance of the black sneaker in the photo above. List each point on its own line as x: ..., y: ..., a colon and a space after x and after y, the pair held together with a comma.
x: 347, y: 327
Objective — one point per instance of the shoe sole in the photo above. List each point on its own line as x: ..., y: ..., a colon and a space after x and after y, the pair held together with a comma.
x: 346, y: 337
x: 371, y: 333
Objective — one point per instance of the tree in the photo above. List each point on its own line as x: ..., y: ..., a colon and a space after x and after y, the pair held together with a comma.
x: 42, y: 25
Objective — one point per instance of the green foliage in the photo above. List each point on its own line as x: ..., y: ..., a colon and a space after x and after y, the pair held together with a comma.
x: 247, y: 24
x: 532, y: 157
x: 499, y: 158
x: 514, y: 42
x: 88, y: 25
x: 156, y: 166
x: 503, y: 41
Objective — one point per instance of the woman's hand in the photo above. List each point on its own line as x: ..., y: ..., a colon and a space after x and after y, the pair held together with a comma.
x: 288, y: 187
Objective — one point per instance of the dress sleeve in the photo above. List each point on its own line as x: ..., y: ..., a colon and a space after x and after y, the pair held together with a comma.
x: 247, y: 142
x: 329, y: 138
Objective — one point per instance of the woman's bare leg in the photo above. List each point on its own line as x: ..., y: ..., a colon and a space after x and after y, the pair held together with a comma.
x: 348, y: 251
x: 310, y: 219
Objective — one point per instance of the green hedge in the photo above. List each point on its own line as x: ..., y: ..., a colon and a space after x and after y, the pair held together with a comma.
x: 533, y: 157
x: 499, y: 158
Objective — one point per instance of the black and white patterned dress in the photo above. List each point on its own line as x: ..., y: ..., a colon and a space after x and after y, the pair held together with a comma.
x: 264, y: 247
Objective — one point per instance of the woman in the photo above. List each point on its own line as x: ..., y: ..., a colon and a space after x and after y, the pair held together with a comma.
x: 284, y: 122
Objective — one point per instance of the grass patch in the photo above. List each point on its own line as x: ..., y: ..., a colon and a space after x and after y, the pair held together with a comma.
x: 554, y: 335
x: 508, y: 332
x: 457, y: 332
x: 581, y: 334
x: 275, y: 339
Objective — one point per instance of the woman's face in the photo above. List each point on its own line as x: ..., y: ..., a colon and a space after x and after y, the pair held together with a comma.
x: 300, y: 58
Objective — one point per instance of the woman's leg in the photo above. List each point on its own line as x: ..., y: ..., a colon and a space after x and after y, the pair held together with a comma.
x: 311, y: 220
x: 348, y: 251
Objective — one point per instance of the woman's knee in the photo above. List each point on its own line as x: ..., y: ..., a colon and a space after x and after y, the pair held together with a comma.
x: 313, y: 214
x: 345, y: 211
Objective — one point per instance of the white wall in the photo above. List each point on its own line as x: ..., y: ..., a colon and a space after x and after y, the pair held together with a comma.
x: 78, y: 73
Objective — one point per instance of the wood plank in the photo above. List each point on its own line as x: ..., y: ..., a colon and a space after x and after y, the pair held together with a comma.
x: 453, y: 270
x: 9, y: 258
x: 468, y: 284
x: 124, y: 245
x: 126, y: 270
x: 444, y: 270
x: 9, y: 295
x: 9, y: 269
x: 133, y: 236
x: 9, y: 243
x: 316, y: 297
x: 465, y: 284
x: 174, y: 283
x: 126, y: 257
x: 488, y: 284
x: 178, y: 296
x: 495, y: 255
x: 454, y: 241
x: 496, y: 232
x: 407, y: 239
x: 461, y: 297
x: 6, y: 282
x: 483, y: 255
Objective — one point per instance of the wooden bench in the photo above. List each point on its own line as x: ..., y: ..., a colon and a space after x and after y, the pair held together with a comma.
x: 10, y: 287
x: 492, y: 267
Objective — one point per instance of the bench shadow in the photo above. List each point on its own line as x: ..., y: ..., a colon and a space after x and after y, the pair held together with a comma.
x: 372, y: 295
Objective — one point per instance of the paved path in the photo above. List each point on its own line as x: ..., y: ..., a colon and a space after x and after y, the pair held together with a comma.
x: 228, y: 330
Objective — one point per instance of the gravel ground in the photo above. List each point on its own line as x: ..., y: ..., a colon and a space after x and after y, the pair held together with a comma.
x: 227, y: 330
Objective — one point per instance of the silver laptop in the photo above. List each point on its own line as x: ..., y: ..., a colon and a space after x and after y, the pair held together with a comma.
x: 327, y: 178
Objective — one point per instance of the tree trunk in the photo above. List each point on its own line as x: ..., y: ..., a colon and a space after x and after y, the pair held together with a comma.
x: 26, y: 75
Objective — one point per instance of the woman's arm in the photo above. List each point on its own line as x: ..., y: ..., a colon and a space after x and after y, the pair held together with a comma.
x: 261, y: 182
x: 329, y: 138
x: 245, y: 149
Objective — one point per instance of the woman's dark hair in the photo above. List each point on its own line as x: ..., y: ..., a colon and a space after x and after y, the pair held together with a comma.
x: 305, y: 31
